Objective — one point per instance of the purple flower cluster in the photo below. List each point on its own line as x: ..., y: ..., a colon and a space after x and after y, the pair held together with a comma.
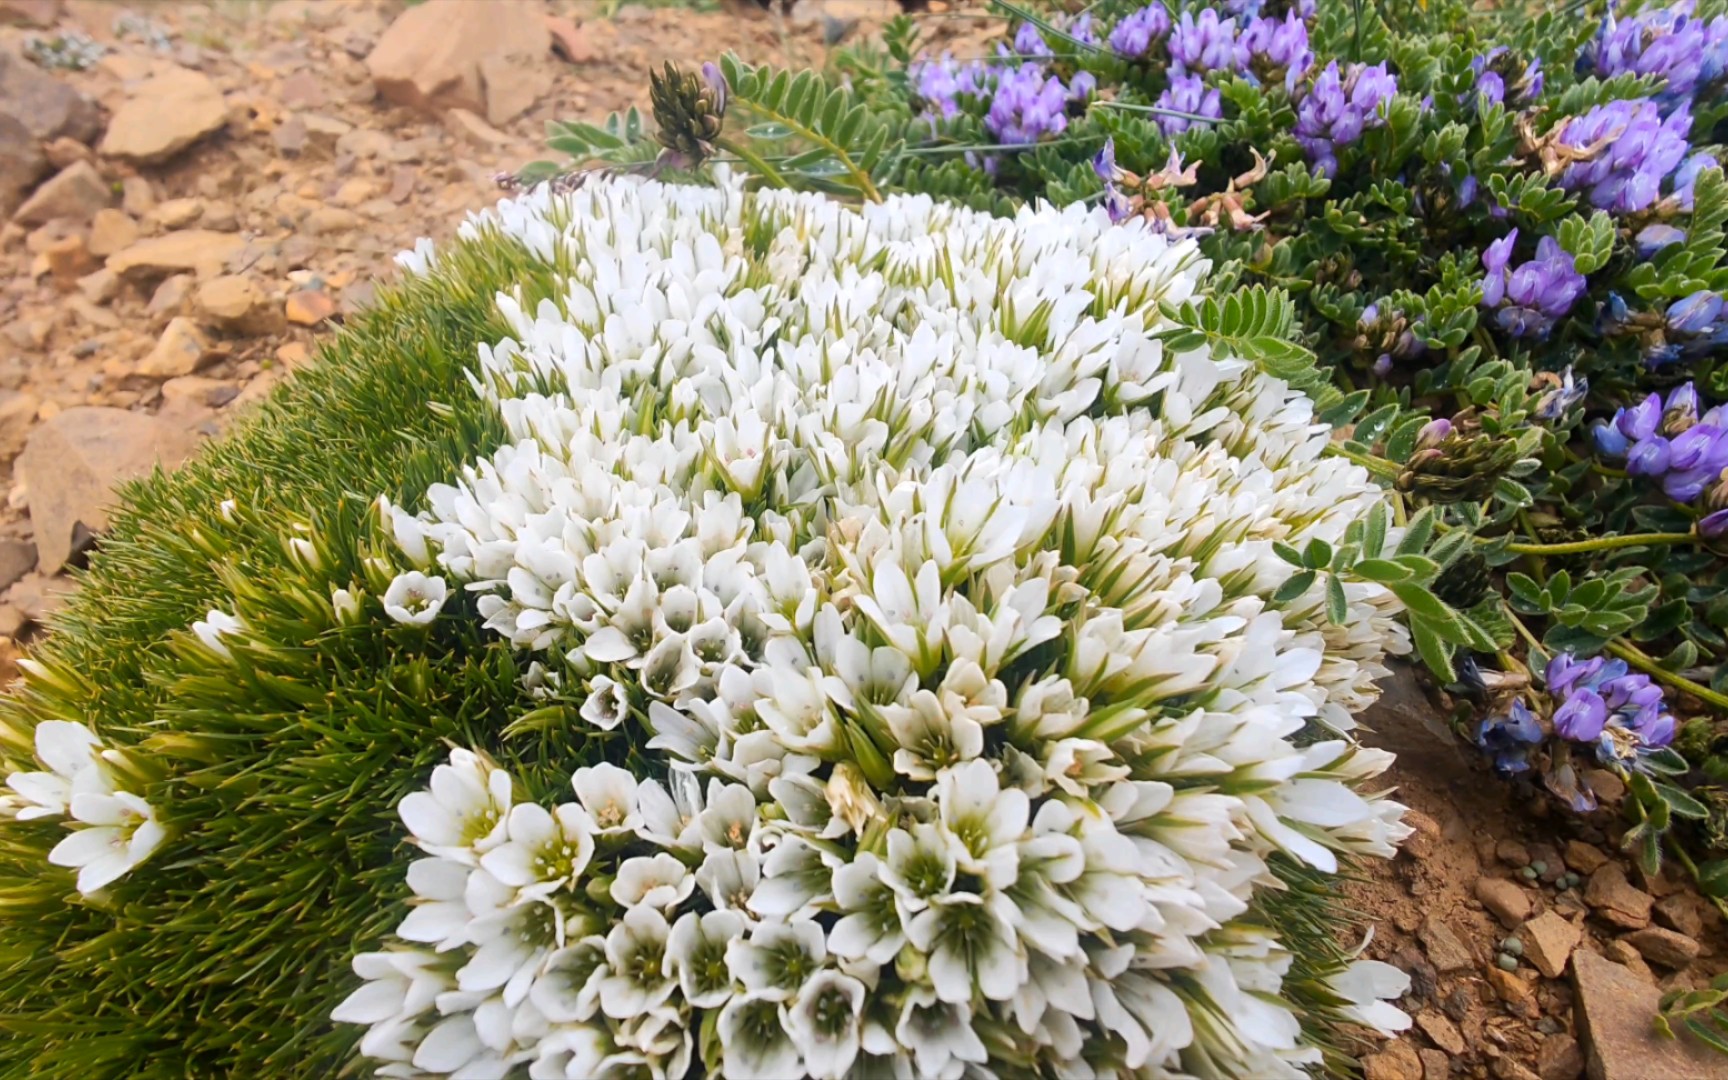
x: 940, y: 84
x: 1671, y: 442
x: 1339, y: 107
x: 1536, y: 294
x: 1687, y: 53
x: 1029, y: 104
x: 1491, y: 84
x: 1629, y: 150
x: 1275, y: 48
x: 1188, y: 94
x: 1602, y: 703
x: 1134, y: 35
x: 1204, y: 43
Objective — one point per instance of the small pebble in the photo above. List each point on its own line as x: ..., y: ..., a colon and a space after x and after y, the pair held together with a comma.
x: 1548, y: 1025
x: 1540, y: 867
x: 1508, y: 962
x: 1513, y: 946
x: 1529, y: 873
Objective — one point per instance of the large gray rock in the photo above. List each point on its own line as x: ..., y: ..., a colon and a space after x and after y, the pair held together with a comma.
x: 1615, y: 1013
x: 72, y: 463
x: 47, y: 107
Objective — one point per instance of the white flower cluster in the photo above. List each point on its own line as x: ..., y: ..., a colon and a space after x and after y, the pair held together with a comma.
x: 934, y: 597
x: 112, y: 829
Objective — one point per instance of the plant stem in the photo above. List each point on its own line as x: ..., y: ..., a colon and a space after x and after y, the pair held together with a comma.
x: 1643, y: 662
x: 755, y: 161
x: 1518, y: 625
x: 1377, y: 465
x: 1603, y: 543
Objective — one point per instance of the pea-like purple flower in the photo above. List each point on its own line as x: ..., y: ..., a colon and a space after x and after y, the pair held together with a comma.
x: 1670, y: 44
x: 1509, y: 737
x: 1134, y: 35
x: 1671, y: 442
x: 1653, y: 238
x: 1204, y: 43
x: 1188, y: 94
x: 1696, y: 315
x: 1339, y: 107
x: 1629, y: 149
x: 1532, y: 297
x: 941, y: 84
x: 1273, y: 49
x: 1602, y: 702
x: 1029, y: 42
x: 1028, y: 105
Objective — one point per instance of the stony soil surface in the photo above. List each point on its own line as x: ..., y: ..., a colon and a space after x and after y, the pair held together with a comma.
x: 225, y: 182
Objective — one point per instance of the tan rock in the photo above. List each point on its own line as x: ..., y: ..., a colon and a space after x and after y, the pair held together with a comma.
x: 17, y: 558
x: 68, y: 260
x: 1613, y: 1011
x: 1436, y: 1064
x: 76, y: 192
x: 430, y: 56
x: 112, y: 230
x: 1559, y: 1058
x: 1548, y: 942
x: 72, y: 462
x: 170, y: 298
x: 1398, y: 1061
x: 239, y: 305
x: 176, y: 213
x: 1441, y: 1030
x: 180, y: 351
x: 201, y: 251
x: 1682, y: 912
x: 99, y: 286
x: 570, y: 41
x: 473, y: 130
x: 328, y: 220
x: 1615, y: 900
x: 164, y: 116
x: 1664, y: 947
x: 1622, y: 953
x: 512, y: 87
x: 17, y: 415
x: 137, y: 197
x: 1514, y: 992
x: 38, y: 13
x: 1446, y: 951
x: 309, y: 307
x: 1584, y: 858
x: 65, y: 150
x: 1508, y: 903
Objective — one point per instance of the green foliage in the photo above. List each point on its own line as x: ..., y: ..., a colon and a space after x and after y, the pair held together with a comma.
x: 1701, y: 1013
x: 226, y: 959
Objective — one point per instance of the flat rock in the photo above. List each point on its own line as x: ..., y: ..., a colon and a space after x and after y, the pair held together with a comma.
x: 112, y: 230
x: 1616, y: 900
x: 1614, y: 1010
x: 164, y: 116
x: 180, y: 351
x: 75, y: 192
x: 38, y: 13
x: 1680, y: 912
x: 72, y: 462
x: 512, y: 87
x: 1584, y: 858
x: 1548, y: 942
x: 17, y: 415
x: 1559, y: 1058
x: 1510, y: 904
x: 1665, y: 947
x: 22, y: 163
x: 1446, y: 951
x: 239, y: 305
x: 309, y: 307
x: 1398, y: 1061
x: 1436, y: 1064
x: 1514, y: 992
x: 430, y: 56
x: 47, y: 107
x: 1441, y: 1031
x: 200, y: 251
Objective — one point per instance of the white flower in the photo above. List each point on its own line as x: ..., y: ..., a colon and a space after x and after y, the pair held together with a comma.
x: 984, y: 823
x: 122, y: 833
x: 930, y: 740
x: 971, y: 948
x: 415, y: 599
x: 756, y: 1042
x: 777, y: 958
x: 1370, y: 987
x: 658, y: 881
x: 463, y: 815
x: 544, y: 851
x: 441, y: 916
x: 795, y: 879
x: 636, y: 979
x: 69, y: 750
x: 606, y: 705
x: 511, y: 945
x: 824, y: 1022
x: 936, y: 1032
x: 211, y: 629
x: 608, y: 793
x: 920, y: 866
x: 729, y: 879
x: 345, y: 605
x: 870, y: 928
x: 696, y: 955
x: 568, y: 988
x: 418, y: 259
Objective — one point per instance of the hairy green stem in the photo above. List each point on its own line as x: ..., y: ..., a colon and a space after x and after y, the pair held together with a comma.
x: 1603, y: 543
x: 755, y: 161
x: 1379, y: 466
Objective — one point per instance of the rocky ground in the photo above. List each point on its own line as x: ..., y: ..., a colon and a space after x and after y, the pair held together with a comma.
x: 222, y: 183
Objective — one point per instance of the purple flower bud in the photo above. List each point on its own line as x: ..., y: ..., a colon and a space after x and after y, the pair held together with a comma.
x: 1467, y: 190
x: 1490, y: 88
x: 1608, y: 440
x: 1564, y: 670
x: 1104, y: 162
x: 1681, y: 411
x: 1714, y: 526
x: 1269, y: 47
x: 1509, y: 737
x: 1433, y: 433
x: 1641, y: 420
x: 1648, y: 458
x: 1665, y: 43
x: 1028, y: 105
x: 1536, y: 293
x: 1029, y: 42
x: 1581, y: 716
x: 1687, y: 175
x: 716, y: 80
x: 1203, y: 44
x: 1696, y: 314
x: 1370, y: 315
x: 1653, y: 238
x: 1134, y: 35
x: 1382, y: 365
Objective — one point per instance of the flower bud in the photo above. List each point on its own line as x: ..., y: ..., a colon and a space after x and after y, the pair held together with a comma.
x: 1433, y: 433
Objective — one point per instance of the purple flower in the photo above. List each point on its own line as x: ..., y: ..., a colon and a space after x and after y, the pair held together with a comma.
x: 1557, y: 402
x: 1029, y: 42
x: 1648, y: 458
x: 1666, y: 43
x: 1104, y: 164
x: 1433, y: 433
x: 1653, y: 238
x: 941, y: 84
x: 1272, y: 49
x: 1681, y: 410
x: 1028, y: 105
x: 1632, y: 149
x: 1338, y: 108
x: 1509, y: 738
x: 1581, y: 716
x: 1188, y: 94
x: 1641, y: 420
x: 1490, y: 88
x: 1687, y: 175
x: 1608, y: 440
x: 1203, y: 44
x: 1696, y: 314
x: 1536, y: 293
x: 1134, y: 34
x: 1565, y: 670
x: 1714, y: 526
